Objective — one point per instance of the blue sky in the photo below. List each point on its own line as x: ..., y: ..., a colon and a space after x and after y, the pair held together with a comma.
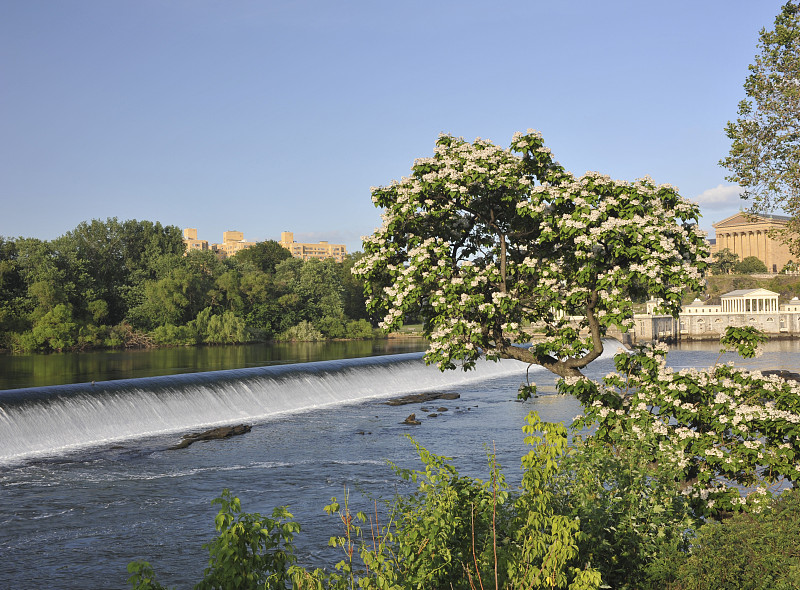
x: 279, y: 115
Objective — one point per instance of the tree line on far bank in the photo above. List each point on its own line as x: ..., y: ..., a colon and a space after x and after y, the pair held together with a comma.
x: 727, y: 262
x: 128, y: 283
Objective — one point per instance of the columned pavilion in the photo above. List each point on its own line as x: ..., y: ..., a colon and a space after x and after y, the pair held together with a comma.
x: 750, y: 301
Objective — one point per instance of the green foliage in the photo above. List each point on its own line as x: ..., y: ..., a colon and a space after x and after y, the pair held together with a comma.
x: 129, y: 284
x: 745, y: 552
x: 227, y: 292
x: 264, y: 256
x: 764, y: 157
x: 12, y: 292
x: 446, y: 527
x: 169, y: 335
x: 750, y: 265
x: 353, y: 299
x: 340, y: 327
x: 724, y: 262
x: 251, y: 551
x: 143, y: 577
x: 546, y: 542
x: 332, y: 326
x: 302, y: 332
x: 105, y: 258
x: 55, y: 330
x: 746, y: 341
x: 224, y: 328
x: 359, y: 330
x: 630, y: 510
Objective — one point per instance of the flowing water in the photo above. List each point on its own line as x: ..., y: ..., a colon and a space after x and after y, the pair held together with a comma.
x: 88, y: 483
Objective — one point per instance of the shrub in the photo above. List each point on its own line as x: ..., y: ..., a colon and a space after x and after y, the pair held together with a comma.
x: 746, y: 552
x: 630, y: 512
x: 302, y: 332
x: 750, y: 265
x: 331, y: 327
x: 225, y: 328
x: 55, y: 330
x: 169, y: 335
x: 360, y: 330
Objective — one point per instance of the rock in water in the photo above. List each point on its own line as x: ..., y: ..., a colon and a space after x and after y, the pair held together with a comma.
x: 213, y: 434
x: 427, y: 396
x: 412, y: 420
x: 785, y: 375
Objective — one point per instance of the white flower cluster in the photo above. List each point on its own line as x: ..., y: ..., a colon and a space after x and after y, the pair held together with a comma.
x: 732, y: 424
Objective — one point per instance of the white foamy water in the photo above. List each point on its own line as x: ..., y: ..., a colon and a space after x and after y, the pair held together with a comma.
x: 50, y: 420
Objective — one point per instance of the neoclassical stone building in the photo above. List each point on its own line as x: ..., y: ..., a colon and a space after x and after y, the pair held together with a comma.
x: 697, y: 321
x: 750, y: 235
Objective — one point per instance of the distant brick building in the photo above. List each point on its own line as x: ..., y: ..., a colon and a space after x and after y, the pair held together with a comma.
x: 232, y: 242
x: 191, y: 242
x: 307, y: 251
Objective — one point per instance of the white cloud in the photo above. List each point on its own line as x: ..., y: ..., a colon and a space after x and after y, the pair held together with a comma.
x: 720, y: 197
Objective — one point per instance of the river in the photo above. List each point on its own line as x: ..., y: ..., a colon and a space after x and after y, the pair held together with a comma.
x: 38, y: 370
x: 87, y: 482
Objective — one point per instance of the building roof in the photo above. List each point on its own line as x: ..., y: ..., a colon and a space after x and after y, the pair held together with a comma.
x: 695, y: 303
x: 745, y: 217
x: 750, y: 293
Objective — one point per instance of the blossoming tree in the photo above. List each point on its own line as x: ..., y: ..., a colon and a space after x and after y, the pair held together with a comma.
x: 487, y: 243
x: 732, y: 435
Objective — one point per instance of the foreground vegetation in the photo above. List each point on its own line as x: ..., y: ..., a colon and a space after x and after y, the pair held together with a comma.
x: 744, y: 552
x: 122, y: 284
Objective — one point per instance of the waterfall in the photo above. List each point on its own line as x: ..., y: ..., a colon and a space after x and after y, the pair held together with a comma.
x: 52, y: 420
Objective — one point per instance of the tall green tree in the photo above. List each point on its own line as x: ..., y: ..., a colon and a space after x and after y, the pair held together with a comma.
x: 178, y: 297
x: 107, y: 259
x: 12, y: 290
x: 262, y: 310
x: 764, y: 158
x: 724, y: 262
x: 310, y: 290
x: 353, y: 299
x: 751, y: 265
x: 43, y: 273
x: 264, y: 256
